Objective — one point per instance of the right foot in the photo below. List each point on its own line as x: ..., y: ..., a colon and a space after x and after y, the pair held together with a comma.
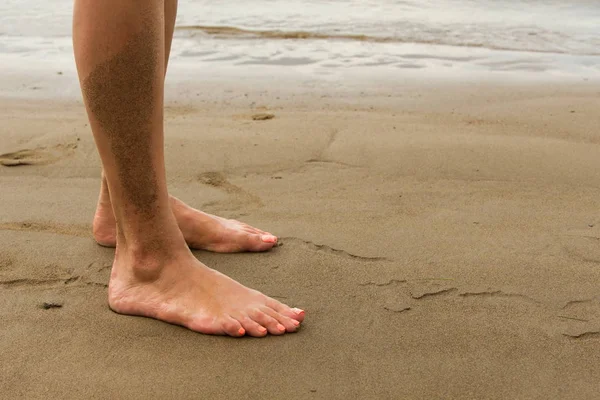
x: 183, y: 291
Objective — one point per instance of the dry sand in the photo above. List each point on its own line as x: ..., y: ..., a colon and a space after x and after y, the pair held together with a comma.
x: 444, y: 240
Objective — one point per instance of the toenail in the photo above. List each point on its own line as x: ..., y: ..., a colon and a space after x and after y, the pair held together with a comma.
x: 262, y: 329
x: 295, y: 322
x: 269, y: 238
x: 242, y: 331
x: 297, y: 310
x: 281, y: 327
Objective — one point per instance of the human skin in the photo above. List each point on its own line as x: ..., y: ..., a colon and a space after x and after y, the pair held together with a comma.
x: 120, y: 55
x: 201, y: 230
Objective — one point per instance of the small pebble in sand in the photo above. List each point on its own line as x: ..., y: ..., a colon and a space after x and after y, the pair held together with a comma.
x: 48, y: 305
x: 263, y: 116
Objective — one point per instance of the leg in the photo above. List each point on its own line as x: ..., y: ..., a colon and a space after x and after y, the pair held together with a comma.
x: 170, y: 17
x: 201, y: 230
x: 119, y: 49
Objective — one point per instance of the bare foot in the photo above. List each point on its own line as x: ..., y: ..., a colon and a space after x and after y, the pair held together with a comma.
x: 181, y: 290
x: 201, y: 231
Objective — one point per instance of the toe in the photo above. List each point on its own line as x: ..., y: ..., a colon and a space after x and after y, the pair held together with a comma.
x: 256, y: 242
x: 272, y: 325
x: 253, y: 328
x: 268, y: 238
x: 225, y: 325
x: 290, y: 324
x: 293, y: 313
x: 232, y: 327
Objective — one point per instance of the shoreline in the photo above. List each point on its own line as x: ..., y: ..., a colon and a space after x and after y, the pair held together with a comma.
x: 28, y: 77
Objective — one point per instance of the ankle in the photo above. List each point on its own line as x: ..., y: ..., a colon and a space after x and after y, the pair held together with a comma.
x: 148, y: 233
x: 145, y: 261
x: 151, y: 246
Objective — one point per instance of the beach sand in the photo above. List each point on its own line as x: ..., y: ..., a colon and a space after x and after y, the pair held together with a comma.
x: 444, y: 240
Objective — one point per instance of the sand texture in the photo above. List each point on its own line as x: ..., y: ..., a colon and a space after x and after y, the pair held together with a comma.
x: 444, y: 241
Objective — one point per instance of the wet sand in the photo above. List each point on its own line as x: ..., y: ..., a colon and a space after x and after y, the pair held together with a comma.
x: 444, y: 240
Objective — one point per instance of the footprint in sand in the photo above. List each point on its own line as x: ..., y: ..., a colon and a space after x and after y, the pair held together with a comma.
x: 37, y: 156
x: 241, y: 198
x: 49, y: 227
x: 583, y: 243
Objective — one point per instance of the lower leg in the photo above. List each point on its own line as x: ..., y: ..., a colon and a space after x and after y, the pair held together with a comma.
x: 170, y: 17
x: 201, y: 230
x: 119, y: 49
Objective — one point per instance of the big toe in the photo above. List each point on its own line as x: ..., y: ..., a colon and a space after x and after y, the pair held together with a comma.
x: 293, y: 313
x: 290, y: 324
x: 258, y: 242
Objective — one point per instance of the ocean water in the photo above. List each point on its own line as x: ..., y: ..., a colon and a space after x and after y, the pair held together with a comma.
x: 547, y: 38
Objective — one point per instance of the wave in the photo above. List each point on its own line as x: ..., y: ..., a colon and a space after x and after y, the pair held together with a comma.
x: 231, y: 32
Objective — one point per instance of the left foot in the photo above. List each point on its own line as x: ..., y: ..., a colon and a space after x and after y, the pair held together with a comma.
x: 201, y: 231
